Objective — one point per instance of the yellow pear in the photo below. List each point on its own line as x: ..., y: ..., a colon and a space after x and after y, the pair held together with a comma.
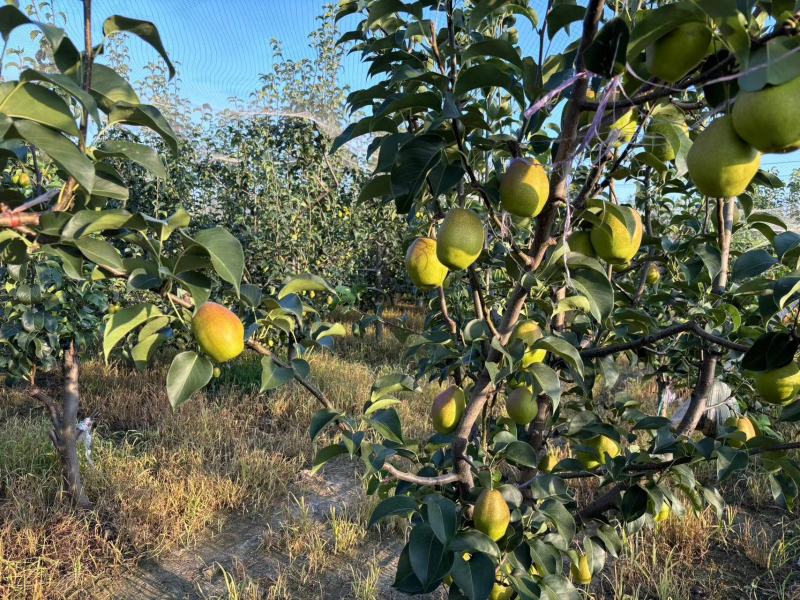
x: 653, y: 275
x: 548, y: 462
x: 600, y: 445
x: 744, y: 425
x: 218, y: 331
x: 721, y: 164
x: 460, y: 239
x: 611, y: 239
x: 491, y: 514
x: 769, y: 119
x: 622, y: 120
x: 524, y: 188
x: 528, y: 331
x: 447, y: 409
x: 581, y: 242
x: 678, y: 52
x: 521, y: 406
x: 580, y: 571
x: 423, y: 266
x: 501, y: 592
x: 663, y: 513
x: 626, y: 125
x: 778, y: 386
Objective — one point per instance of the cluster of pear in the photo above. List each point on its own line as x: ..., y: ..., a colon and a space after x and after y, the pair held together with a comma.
x: 218, y: 332
x: 610, y: 239
x: 458, y: 244
x: 726, y: 155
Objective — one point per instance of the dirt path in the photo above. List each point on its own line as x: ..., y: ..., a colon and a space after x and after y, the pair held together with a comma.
x: 240, y: 549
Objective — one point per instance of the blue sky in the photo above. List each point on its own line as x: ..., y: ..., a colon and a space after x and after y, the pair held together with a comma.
x: 223, y: 45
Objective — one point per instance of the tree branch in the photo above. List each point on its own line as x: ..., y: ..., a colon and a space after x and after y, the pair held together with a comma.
x: 687, y: 327
x: 418, y: 479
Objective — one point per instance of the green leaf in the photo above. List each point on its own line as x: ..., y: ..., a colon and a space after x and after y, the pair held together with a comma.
x: 429, y: 561
x: 730, y: 460
x: 634, y: 503
x: 110, y: 88
x: 547, y: 381
x: 442, y: 516
x: 474, y: 577
x: 321, y: 420
x: 752, y: 263
x: 391, y: 383
x: 327, y: 454
x: 337, y: 329
x: 387, y: 423
x: 773, y: 350
x: 777, y: 62
x: 139, y: 153
x: 145, y: 116
x: 123, y: 322
x: 412, y: 165
x: 226, y: 254
x: 145, y: 30
x: 61, y: 150
x: 86, y: 222
x: 521, y: 454
x: 489, y: 75
x: 497, y: 48
x: 473, y: 540
x: 143, y: 351
x: 68, y: 85
x: 711, y: 258
x: 305, y: 283
x: 101, y: 253
x: 37, y: 103
x: 597, y: 289
x: 560, y: 517
x: 188, y: 373
x: 393, y: 506
x: 606, y: 55
x: 561, y: 15
x: 273, y: 376
x: 562, y: 348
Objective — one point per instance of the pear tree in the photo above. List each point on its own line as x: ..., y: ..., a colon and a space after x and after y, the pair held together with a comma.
x: 68, y: 245
x: 513, y: 156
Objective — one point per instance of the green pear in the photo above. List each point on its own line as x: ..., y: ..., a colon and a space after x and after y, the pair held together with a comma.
x: 581, y: 242
x: 600, y: 445
x: 721, y: 164
x: 769, y: 119
x: 491, y: 514
x: 460, y: 239
x: 423, y: 266
x: 658, y: 135
x: 524, y: 188
x: 653, y: 275
x: 447, y: 410
x: 778, y: 386
x: 528, y: 331
x: 678, y: 52
x: 611, y: 239
x: 521, y: 406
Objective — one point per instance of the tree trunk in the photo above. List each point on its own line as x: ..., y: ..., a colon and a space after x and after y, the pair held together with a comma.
x: 65, y: 434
